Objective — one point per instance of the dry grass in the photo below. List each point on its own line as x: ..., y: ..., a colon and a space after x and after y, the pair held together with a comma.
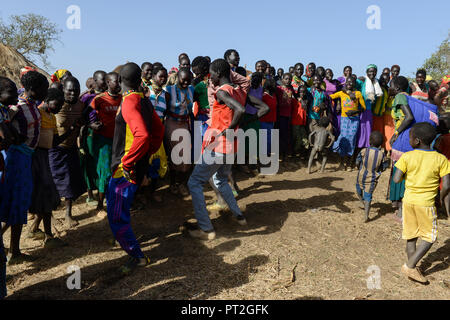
x: 305, y: 239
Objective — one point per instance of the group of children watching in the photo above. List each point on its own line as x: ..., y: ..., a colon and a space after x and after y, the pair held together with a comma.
x: 117, y: 138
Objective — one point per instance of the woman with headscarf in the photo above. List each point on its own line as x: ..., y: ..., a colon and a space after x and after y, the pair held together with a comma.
x: 371, y: 90
x: 59, y: 75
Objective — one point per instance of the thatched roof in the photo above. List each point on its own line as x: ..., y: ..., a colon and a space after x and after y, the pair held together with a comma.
x: 12, y: 61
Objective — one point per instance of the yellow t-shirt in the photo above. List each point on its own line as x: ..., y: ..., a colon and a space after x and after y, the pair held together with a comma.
x: 422, y: 169
x: 48, y: 129
x: 348, y: 104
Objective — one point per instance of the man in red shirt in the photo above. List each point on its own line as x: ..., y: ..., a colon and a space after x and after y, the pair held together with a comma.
x: 226, y: 113
x: 138, y: 134
x: 105, y: 107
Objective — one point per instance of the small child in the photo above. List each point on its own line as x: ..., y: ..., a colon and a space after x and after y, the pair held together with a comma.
x: 371, y: 163
x: 323, y: 139
x: 285, y: 101
x: 421, y: 168
x: 267, y: 122
x: 300, y: 143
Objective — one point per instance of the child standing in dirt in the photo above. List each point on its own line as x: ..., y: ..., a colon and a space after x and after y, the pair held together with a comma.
x: 422, y: 169
x: 371, y: 163
x: 8, y: 96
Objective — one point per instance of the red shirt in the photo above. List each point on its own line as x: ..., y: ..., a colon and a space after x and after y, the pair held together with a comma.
x: 221, y: 118
x: 286, y: 101
x: 298, y: 114
x: 271, y: 101
x: 139, y: 134
x: 106, y: 107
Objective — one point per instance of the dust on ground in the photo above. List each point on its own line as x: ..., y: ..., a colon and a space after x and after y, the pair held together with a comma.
x: 305, y: 239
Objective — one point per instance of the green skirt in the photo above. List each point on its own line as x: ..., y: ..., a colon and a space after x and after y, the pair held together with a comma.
x: 396, y: 190
x: 102, y: 149
x: 89, y: 160
x: 255, y: 125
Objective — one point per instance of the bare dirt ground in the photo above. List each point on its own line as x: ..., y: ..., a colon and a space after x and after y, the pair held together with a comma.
x: 305, y: 239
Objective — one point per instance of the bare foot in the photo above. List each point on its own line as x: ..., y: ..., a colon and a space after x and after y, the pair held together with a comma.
x: 366, y: 218
x: 71, y: 223
x: 101, y: 214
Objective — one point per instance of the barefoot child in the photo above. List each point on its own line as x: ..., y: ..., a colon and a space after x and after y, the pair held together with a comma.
x: 105, y: 107
x: 352, y: 104
x: 300, y: 143
x: 17, y: 184
x: 285, y: 102
x: 8, y: 96
x: 138, y: 134
x: 267, y: 122
x: 45, y: 196
x: 371, y: 163
x: 421, y: 168
x: 179, y: 109
x: 323, y: 139
x: 64, y: 158
x: 159, y: 99
x: 88, y: 161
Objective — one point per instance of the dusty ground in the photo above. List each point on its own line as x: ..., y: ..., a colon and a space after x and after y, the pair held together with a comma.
x: 305, y: 240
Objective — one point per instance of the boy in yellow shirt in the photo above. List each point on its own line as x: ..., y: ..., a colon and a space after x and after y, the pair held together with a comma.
x: 422, y: 169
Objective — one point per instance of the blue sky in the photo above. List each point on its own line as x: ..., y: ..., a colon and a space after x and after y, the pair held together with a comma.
x: 283, y: 32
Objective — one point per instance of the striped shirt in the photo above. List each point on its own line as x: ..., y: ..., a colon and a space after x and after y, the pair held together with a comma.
x: 372, y: 164
x: 181, y: 102
x: 26, y: 119
x: 158, y: 102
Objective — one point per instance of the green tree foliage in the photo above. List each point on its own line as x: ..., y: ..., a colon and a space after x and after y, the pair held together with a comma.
x: 438, y: 65
x: 31, y: 35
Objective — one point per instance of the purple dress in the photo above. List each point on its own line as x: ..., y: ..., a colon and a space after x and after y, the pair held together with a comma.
x: 334, y: 86
x: 257, y: 93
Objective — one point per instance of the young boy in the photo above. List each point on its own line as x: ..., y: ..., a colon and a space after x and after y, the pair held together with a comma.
x: 300, y: 141
x: 138, y: 134
x: 421, y: 168
x: 88, y: 163
x: 105, y: 107
x: 64, y: 159
x: 323, y: 140
x: 371, y: 163
x: 226, y: 114
x: 285, y: 104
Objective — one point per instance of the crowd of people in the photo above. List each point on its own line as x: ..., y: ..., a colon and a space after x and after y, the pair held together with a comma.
x: 116, y: 138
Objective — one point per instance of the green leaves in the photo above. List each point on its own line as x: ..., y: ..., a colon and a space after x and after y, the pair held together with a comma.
x: 438, y: 65
x: 31, y: 35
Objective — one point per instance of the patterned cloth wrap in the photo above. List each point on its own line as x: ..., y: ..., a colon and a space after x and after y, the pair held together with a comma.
x: 422, y: 112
